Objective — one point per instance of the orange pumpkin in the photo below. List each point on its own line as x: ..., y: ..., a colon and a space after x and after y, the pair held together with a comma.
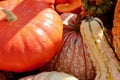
x: 33, y: 39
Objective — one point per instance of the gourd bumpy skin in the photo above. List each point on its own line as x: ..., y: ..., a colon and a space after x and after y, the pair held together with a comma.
x: 116, y: 29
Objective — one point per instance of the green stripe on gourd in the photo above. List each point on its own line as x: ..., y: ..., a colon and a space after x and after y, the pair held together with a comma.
x: 99, y: 47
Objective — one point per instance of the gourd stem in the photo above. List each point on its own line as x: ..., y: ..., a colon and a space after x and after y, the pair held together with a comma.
x: 78, y: 22
x: 10, y: 16
x: 80, y: 17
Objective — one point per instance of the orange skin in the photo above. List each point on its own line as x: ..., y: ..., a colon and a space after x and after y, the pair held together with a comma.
x: 61, y: 2
x: 116, y: 29
x: 70, y: 6
x: 33, y: 39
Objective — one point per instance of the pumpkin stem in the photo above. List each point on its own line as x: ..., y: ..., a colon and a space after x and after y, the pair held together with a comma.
x: 11, y: 17
x: 82, y: 15
x: 77, y: 24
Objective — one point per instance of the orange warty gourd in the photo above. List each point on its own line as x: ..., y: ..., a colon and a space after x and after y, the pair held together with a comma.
x: 116, y: 29
x: 33, y: 39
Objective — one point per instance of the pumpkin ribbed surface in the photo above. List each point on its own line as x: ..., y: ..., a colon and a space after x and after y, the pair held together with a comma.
x: 33, y: 39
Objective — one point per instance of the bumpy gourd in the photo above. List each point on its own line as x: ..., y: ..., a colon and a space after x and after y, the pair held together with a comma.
x: 100, y: 49
x: 116, y: 29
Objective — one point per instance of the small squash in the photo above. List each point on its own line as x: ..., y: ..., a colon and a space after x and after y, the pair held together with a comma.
x: 53, y: 75
x: 100, y: 49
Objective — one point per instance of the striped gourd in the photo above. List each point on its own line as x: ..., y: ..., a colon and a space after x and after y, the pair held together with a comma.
x: 100, y: 49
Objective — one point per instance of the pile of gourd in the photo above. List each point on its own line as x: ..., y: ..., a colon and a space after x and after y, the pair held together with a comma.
x: 60, y: 40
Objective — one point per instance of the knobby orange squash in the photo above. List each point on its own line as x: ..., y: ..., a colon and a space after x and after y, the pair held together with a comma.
x: 33, y: 39
x: 116, y: 29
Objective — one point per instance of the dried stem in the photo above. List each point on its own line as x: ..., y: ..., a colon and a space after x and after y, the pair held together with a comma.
x: 11, y: 17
